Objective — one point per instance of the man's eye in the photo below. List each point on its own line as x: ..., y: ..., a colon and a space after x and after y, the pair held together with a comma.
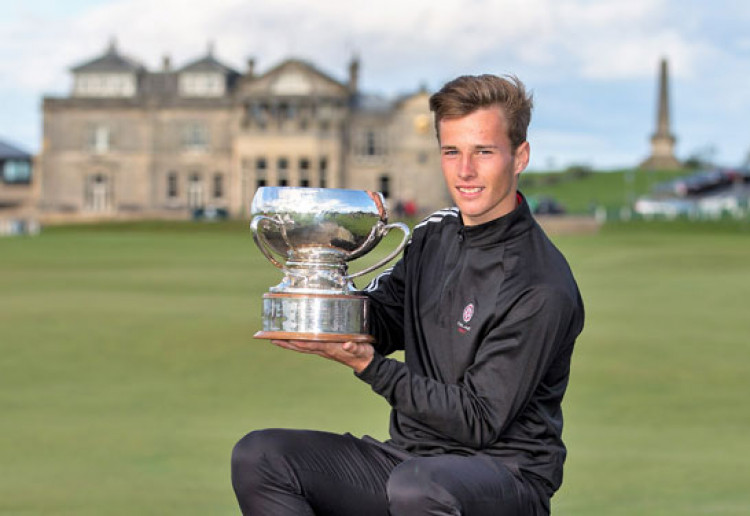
x: 448, y: 152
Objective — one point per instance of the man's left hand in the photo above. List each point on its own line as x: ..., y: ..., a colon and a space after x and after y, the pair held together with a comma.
x: 356, y: 355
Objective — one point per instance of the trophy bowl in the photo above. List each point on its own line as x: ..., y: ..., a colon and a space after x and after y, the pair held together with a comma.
x: 308, y: 218
x: 311, y: 234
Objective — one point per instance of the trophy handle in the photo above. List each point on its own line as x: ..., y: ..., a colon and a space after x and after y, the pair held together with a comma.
x: 384, y: 230
x: 261, y: 241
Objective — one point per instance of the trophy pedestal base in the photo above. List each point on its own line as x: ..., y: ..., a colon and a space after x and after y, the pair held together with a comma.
x: 321, y: 337
x: 315, y: 316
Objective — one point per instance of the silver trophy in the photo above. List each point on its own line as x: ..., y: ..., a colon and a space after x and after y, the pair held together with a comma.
x: 311, y: 234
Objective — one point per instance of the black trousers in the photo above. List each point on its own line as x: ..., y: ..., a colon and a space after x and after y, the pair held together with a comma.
x: 279, y: 472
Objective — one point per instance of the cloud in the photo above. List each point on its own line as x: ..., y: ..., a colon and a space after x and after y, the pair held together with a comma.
x: 613, y: 39
x: 593, y: 46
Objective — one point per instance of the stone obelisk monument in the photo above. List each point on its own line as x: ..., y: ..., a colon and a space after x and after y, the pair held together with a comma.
x: 662, y: 142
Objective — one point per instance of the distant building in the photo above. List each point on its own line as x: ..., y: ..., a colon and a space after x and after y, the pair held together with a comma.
x: 18, y: 191
x: 16, y: 179
x: 129, y: 142
x: 662, y: 142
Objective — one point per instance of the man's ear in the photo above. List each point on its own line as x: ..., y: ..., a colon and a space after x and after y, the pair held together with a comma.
x: 521, y: 157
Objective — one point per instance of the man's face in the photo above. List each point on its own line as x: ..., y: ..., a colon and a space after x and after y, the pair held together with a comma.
x: 479, y: 166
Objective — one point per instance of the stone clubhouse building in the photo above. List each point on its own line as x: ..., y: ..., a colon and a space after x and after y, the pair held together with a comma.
x: 129, y: 142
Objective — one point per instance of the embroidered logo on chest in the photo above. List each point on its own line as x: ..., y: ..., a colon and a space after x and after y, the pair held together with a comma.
x: 468, y: 313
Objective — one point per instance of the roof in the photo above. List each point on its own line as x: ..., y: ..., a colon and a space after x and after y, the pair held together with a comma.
x: 208, y: 63
x: 306, y: 65
x: 8, y: 151
x: 293, y: 78
x: 372, y: 103
x: 111, y: 61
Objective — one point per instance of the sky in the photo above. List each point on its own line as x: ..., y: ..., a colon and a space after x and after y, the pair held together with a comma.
x: 592, y: 65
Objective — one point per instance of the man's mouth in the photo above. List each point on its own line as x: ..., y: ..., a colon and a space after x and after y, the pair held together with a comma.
x: 469, y: 190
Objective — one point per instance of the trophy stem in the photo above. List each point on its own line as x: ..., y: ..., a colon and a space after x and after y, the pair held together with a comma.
x: 315, y: 276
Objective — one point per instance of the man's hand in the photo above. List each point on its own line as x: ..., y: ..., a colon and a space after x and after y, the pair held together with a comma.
x: 356, y: 355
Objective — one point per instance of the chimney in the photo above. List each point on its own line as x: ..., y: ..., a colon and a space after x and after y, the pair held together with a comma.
x: 354, y: 75
x: 250, y: 68
x: 166, y: 64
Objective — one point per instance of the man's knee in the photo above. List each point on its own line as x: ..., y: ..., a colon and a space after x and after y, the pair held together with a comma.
x: 255, y: 454
x: 249, y: 449
x: 414, y: 489
x: 261, y: 478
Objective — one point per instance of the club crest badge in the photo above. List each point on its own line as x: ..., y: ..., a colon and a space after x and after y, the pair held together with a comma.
x: 466, y: 316
x: 468, y: 312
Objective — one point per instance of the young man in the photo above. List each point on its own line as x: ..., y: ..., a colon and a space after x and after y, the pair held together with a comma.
x: 487, y: 312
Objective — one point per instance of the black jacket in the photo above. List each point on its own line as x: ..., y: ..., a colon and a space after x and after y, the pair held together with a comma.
x: 487, y: 317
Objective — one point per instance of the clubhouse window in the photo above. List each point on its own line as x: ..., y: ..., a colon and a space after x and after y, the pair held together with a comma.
x: 385, y: 185
x: 304, y: 172
x: 261, y: 172
x: 16, y: 172
x: 172, y: 188
x: 282, y: 168
x: 195, y: 137
x: 218, y: 185
x: 323, y: 172
x: 100, y: 139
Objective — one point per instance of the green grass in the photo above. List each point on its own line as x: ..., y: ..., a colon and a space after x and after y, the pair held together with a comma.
x: 657, y: 408
x: 581, y: 191
x: 128, y: 370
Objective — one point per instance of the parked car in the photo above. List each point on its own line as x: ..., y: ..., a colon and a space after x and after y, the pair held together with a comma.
x: 667, y: 207
x: 210, y: 213
x: 545, y: 206
x: 698, y: 183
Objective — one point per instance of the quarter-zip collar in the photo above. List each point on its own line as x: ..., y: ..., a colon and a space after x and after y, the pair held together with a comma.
x: 501, y: 229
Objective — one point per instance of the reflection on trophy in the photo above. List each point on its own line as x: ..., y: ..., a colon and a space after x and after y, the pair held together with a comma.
x: 311, y: 234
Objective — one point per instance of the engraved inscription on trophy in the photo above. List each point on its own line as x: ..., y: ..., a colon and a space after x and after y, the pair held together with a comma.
x: 311, y: 234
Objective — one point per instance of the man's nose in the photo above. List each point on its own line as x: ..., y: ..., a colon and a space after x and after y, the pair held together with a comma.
x: 466, y: 167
